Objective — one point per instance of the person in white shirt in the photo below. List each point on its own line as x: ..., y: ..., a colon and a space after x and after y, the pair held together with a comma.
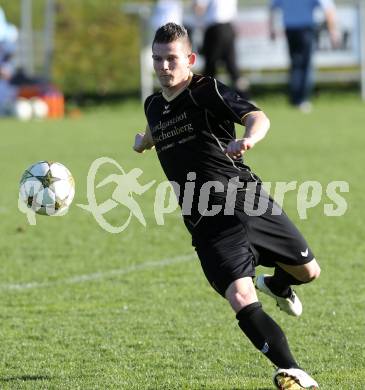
x: 299, y: 23
x: 166, y: 11
x: 219, y: 37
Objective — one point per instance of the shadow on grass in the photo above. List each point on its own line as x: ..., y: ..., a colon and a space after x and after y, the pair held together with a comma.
x: 25, y: 378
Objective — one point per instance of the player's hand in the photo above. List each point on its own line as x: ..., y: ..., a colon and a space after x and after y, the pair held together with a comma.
x: 139, y: 143
x: 237, y: 147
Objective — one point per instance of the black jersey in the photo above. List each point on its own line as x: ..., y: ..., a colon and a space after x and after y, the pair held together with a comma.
x: 191, y: 132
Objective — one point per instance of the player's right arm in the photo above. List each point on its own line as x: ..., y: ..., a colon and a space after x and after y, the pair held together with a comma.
x: 143, y: 141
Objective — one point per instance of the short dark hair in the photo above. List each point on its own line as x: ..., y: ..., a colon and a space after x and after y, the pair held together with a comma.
x: 171, y: 32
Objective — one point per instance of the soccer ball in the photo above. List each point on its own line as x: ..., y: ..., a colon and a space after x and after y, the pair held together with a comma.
x: 47, y: 188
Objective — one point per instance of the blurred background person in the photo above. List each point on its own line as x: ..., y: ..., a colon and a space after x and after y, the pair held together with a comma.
x: 8, y: 42
x: 165, y: 11
x: 217, y: 17
x: 299, y: 24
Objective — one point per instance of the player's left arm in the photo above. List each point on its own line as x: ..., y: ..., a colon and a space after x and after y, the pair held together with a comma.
x: 256, y: 125
x: 226, y: 104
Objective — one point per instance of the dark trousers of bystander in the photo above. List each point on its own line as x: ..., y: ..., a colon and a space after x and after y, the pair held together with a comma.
x: 300, y: 45
x: 219, y: 45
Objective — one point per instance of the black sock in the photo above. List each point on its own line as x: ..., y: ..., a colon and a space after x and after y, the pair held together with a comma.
x: 266, y: 335
x: 280, y: 282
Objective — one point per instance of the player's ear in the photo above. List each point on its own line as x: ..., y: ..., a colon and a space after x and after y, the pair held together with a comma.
x: 192, y: 59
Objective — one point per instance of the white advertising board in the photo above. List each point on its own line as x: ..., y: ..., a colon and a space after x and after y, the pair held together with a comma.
x: 255, y: 50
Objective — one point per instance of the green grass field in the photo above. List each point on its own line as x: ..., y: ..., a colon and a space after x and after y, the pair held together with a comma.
x: 85, y: 309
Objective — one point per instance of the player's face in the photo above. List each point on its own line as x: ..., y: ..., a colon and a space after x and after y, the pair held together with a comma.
x: 172, y: 62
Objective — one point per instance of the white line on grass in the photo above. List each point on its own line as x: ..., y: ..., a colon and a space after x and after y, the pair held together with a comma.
x: 99, y: 275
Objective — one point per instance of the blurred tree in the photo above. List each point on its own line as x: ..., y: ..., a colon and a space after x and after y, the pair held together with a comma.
x: 96, y: 45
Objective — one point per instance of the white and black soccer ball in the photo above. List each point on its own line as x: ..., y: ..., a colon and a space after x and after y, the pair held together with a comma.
x: 47, y: 188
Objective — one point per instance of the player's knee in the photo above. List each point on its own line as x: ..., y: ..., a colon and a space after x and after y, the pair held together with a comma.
x: 238, y: 300
x: 315, y: 273
x: 311, y: 272
x: 241, y: 296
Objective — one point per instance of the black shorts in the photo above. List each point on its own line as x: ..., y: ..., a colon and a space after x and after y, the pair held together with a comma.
x: 231, y: 246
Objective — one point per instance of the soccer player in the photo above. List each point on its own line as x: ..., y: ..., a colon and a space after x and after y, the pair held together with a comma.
x: 234, y: 224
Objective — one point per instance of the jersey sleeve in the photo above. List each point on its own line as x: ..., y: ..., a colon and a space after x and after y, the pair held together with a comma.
x: 147, y: 103
x: 224, y: 102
